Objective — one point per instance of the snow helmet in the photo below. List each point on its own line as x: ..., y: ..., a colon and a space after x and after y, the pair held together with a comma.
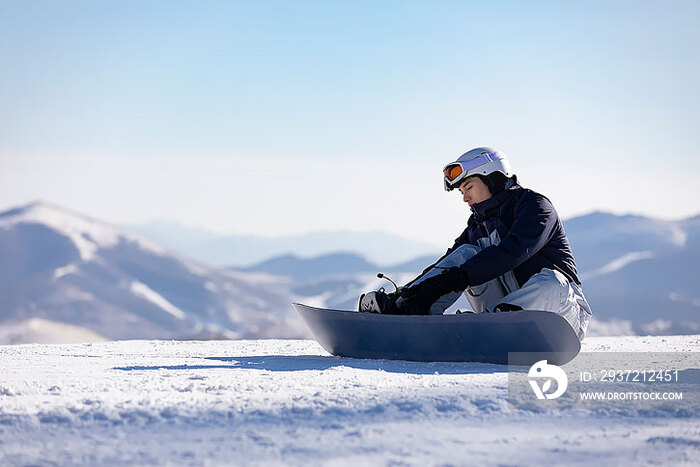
x: 478, y: 161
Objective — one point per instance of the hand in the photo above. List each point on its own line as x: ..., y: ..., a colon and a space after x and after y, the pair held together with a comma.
x: 449, y: 280
x: 417, y: 299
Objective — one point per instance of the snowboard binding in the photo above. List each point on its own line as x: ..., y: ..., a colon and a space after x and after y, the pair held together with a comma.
x: 379, y: 301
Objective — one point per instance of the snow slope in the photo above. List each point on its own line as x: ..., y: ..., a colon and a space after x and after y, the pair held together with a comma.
x: 289, y: 402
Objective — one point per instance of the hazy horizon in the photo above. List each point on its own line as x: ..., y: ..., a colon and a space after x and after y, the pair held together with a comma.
x: 204, y: 229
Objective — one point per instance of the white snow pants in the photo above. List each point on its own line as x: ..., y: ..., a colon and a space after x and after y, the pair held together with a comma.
x: 548, y: 290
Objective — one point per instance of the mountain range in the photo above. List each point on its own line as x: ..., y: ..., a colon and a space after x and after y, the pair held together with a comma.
x: 63, y: 271
x: 639, y: 274
x: 248, y: 250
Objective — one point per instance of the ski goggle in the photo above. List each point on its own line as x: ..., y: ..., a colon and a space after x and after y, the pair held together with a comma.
x: 455, y: 172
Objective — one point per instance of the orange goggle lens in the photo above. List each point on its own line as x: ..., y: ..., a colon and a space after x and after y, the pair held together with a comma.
x: 453, y: 172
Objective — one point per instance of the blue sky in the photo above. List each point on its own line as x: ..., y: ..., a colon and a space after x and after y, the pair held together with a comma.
x: 284, y: 117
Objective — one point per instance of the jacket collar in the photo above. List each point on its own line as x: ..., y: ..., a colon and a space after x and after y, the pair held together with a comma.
x: 491, y: 206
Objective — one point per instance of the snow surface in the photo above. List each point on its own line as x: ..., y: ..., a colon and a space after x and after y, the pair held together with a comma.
x: 287, y: 402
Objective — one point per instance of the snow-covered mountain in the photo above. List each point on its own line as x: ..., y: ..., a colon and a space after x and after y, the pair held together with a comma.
x: 600, y: 238
x: 65, y: 273
x: 66, y: 268
x: 639, y: 274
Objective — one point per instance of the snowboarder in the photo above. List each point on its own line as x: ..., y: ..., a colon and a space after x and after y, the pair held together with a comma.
x: 513, y: 255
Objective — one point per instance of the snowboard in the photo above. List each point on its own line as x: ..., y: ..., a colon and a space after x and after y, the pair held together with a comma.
x: 465, y: 337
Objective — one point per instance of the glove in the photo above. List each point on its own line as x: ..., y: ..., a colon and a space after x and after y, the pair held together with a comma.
x: 417, y: 299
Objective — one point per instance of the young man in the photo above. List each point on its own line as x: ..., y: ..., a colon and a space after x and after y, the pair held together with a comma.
x: 513, y: 255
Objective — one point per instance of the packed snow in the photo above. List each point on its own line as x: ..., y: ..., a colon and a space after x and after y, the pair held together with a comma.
x: 289, y: 402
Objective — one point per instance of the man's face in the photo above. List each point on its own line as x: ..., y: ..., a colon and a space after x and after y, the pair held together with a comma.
x: 474, y: 190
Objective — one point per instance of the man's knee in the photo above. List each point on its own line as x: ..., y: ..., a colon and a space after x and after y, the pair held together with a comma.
x: 468, y: 249
x: 548, y: 278
x: 459, y: 256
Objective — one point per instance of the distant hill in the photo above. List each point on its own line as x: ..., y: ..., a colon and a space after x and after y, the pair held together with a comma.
x: 332, y: 263
x: 241, y: 251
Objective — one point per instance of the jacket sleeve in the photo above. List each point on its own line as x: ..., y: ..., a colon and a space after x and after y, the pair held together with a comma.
x: 533, y: 225
x: 462, y: 239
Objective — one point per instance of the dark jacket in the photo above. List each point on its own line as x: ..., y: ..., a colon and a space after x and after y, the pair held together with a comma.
x: 531, y: 238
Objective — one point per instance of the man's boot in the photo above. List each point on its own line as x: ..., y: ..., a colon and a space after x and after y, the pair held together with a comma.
x: 378, y: 302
